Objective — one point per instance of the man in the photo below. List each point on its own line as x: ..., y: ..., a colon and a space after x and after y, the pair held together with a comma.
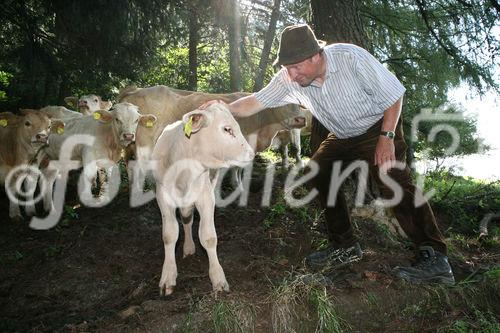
x: 359, y: 102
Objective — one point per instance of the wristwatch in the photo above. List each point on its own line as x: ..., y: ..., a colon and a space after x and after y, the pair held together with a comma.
x: 389, y: 134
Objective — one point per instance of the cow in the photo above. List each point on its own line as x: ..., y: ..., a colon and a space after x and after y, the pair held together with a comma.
x: 292, y: 136
x: 187, y: 157
x: 170, y: 105
x: 22, y: 137
x: 112, y: 131
x: 87, y: 104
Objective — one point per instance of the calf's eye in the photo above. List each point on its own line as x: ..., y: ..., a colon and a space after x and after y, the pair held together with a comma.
x: 27, y: 123
x: 228, y: 130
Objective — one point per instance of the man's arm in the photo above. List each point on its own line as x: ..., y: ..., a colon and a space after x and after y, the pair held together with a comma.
x: 246, y: 106
x: 385, y: 151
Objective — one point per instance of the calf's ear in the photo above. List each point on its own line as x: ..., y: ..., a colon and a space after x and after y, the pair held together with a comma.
x: 106, y: 105
x: 147, y: 120
x: 194, y: 121
x: 8, y: 119
x: 103, y: 116
x: 72, y: 101
x: 57, y: 127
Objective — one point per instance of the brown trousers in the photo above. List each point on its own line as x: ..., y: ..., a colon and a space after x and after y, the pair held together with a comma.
x: 418, y: 223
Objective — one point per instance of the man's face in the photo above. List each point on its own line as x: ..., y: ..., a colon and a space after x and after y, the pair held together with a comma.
x: 304, y: 72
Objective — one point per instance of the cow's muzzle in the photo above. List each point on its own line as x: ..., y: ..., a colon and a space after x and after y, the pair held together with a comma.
x: 128, y: 136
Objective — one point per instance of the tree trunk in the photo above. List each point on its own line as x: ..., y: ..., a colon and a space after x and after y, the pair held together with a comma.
x: 234, y: 46
x: 193, y: 55
x: 268, y: 42
x: 335, y: 21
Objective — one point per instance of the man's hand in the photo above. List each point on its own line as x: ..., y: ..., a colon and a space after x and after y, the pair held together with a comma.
x: 208, y: 103
x: 385, y: 154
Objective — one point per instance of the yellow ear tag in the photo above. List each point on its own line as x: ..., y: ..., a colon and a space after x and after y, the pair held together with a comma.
x: 97, y: 115
x: 149, y: 123
x: 4, y: 122
x: 60, y: 130
x: 188, y: 127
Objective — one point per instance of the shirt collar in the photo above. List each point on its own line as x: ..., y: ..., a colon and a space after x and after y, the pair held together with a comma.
x: 331, y: 67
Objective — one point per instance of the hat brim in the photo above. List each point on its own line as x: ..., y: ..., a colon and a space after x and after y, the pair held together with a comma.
x: 302, y: 57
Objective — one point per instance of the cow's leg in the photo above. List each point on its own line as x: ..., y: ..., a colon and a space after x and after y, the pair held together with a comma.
x: 30, y: 186
x: 170, y: 234
x: 295, y: 138
x: 188, y: 247
x: 50, y: 176
x: 284, y: 155
x: 13, y: 187
x: 208, y: 237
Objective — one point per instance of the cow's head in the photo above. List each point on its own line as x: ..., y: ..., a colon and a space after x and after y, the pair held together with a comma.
x: 124, y: 118
x: 294, y: 122
x: 87, y: 104
x: 216, y: 137
x: 34, y: 127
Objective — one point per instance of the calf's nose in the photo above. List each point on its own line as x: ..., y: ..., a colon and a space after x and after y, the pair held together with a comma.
x: 41, y: 137
x: 128, y: 136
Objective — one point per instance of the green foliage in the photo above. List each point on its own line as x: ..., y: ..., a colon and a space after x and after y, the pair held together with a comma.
x: 463, y: 201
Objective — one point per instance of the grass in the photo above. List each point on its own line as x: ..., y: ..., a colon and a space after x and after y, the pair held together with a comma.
x: 301, y: 303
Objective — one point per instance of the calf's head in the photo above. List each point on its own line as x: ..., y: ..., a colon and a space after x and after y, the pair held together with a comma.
x: 216, y: 137
x: 124, y: 119
x: 34, y: 127
x: 88, y: 104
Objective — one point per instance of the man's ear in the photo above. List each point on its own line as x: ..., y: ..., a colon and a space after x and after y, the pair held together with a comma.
x: 72, y: 101
x: 106, y: 105
x: 147, y: 120
x: 194, y: 121
x: 103, y: 116
x: 57, y: 127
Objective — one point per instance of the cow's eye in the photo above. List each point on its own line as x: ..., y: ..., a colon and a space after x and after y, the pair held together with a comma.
x: 27, y: 124
x: 228, y: 130
x: 95, y: 100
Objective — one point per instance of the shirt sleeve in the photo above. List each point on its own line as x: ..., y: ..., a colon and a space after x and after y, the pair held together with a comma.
x: 378, y: 81
x: 276, y: 93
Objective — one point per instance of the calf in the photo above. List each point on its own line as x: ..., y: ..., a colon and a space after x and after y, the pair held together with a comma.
x: 87, y: 104
x: 112, y: 131
x: 21, y: 137
x: 188, y: 155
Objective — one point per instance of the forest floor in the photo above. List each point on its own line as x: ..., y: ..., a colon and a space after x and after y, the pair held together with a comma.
x: 98, y: 271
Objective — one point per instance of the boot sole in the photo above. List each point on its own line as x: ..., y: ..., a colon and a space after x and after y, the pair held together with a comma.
x: 448, y: 280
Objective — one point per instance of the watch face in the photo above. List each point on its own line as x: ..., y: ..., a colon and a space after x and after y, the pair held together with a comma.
x: 389, y: 134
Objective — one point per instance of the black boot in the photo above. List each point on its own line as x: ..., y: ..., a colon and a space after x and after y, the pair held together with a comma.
x: 335, y: 257
x: 432, y: 267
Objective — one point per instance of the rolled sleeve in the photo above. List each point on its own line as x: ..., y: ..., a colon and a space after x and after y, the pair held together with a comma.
x: 276, y: 92
x: 378, y: 81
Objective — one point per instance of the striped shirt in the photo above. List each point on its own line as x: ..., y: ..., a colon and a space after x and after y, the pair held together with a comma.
x: 354, y: 95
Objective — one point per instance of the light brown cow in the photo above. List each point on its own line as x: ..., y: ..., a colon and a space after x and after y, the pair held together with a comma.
x: 169, y: 106
x: 292, y: 136
x: 186, y: 174
x: 21, y: 138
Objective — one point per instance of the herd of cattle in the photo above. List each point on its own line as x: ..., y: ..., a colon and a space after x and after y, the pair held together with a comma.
x: 157, y: 125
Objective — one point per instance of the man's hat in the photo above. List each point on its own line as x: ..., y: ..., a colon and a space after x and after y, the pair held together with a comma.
x: 297, y: 43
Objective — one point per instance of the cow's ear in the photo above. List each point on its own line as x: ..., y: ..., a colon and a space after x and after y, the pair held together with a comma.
x: 194, y: 121
x: 147, y: 120
x: 72, y: 101
x: 57, y: 127
x: 8, y: 119
x: 106, y: 105
x: 103, y: 116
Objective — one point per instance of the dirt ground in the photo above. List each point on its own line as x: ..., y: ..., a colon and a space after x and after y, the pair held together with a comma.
x: 98, y: 271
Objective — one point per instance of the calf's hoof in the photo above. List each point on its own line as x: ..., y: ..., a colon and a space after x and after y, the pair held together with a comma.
x: 221, y: 286
x: 166, y: 290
